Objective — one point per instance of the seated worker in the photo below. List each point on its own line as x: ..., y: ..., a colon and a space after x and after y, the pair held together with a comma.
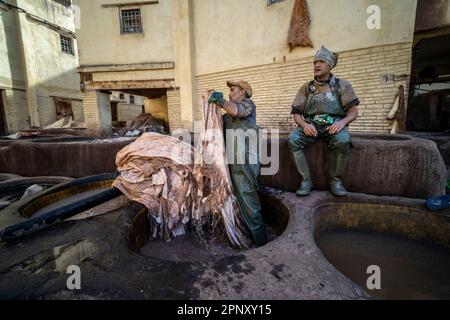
x: 241, y: 114
x: 323, y: 109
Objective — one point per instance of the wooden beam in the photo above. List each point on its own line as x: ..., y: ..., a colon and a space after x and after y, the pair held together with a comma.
x: 136, y: 3
x: 126, y: 85
x: 127, y: 67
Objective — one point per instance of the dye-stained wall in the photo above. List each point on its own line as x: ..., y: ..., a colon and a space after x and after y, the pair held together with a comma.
x: 33, y: 68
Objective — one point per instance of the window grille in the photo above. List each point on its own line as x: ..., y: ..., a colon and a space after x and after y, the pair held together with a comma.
x: 130, y: 21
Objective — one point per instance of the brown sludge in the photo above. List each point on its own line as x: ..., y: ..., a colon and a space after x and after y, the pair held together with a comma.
x: 159, y: 171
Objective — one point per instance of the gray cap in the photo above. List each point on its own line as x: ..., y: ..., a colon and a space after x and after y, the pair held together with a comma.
x: 328, y: 56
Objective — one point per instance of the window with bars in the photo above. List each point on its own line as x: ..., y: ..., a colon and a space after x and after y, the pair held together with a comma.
x: 66, y: 44
x: 130, y: 21
x: 131, y: 99
x: 66, y: 3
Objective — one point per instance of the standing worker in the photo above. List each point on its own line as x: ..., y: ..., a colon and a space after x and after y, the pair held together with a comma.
x: 240, y: 117
x: 323, y: 108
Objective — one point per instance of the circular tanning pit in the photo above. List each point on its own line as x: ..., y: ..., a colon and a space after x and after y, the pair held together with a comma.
x: 410, y: 245
x: 13, y: 189
x: 56, y: 204
x: 190, y: 247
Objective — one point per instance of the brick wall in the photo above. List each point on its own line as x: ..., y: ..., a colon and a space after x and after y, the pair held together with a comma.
x: 16, y: 110
x: 275, y: 85
x: 90, y: 109
x: 47, y: 110
x: 78, y: 113
x: 174, y: 109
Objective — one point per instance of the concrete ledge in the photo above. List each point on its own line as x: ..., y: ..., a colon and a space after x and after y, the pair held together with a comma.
x: 380, y: 164
x: 394, y: 165
x: 70, y: 159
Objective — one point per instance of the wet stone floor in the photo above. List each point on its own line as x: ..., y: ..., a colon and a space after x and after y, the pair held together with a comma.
x: 190, y: 247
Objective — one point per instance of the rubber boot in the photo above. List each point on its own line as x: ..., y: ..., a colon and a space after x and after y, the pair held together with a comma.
x: 337, y: 164
x: 303, y: 169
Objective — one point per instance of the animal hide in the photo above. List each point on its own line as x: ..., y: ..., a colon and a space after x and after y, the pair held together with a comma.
x: 398, y: 112
x: 298, y: 35
x: 178, y: 184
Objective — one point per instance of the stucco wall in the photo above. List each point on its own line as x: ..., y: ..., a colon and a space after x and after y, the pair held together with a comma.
x: 11, y: 69
x: 50, y: 71
x: 234, y: 34
x: 102, y: 43
x: 127, y: 112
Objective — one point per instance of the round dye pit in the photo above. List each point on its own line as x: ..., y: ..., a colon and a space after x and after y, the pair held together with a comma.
x: 409, y: 245
x: 69, y: 200
x: 191, y: 247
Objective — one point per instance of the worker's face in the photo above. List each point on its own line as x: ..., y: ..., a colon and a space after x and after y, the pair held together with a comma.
x: 236, y: 94
x: 321, y: 68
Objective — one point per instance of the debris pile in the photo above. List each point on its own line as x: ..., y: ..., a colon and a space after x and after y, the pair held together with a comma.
x: 144, y: 122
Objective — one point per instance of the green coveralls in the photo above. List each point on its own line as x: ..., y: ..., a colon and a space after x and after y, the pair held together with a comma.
x: 244, y: 175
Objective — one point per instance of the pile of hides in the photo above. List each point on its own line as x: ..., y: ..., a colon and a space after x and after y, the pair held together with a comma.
x: 181, y: 185
x: 298, y: 35
x: 144, y: 122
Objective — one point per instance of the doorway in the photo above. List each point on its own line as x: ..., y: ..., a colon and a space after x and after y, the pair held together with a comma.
x: 114, y: 115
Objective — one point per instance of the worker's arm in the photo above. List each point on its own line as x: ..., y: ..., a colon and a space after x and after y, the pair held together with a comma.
x: 231, y: 108
x: 352, y: 114
x: 241, y: 109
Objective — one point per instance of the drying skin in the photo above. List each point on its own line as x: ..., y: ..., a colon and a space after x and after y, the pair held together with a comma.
x: 398, y: 112
x: 178, y: 184
x: 216, y: 193
x: 298, y: 35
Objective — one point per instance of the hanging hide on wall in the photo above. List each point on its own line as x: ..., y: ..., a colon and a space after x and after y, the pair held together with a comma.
x: 298, y: 35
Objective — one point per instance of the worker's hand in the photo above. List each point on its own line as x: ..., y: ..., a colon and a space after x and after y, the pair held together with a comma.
x: 310, y: 130
x: 217, y: 98
x: 336, y: 127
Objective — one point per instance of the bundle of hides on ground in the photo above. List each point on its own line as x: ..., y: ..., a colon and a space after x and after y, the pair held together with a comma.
x: 180, y: 185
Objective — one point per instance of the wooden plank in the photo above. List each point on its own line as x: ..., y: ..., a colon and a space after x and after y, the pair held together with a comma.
x: 137, y: 3
x: 127, y: 67
x: 123, y: 85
